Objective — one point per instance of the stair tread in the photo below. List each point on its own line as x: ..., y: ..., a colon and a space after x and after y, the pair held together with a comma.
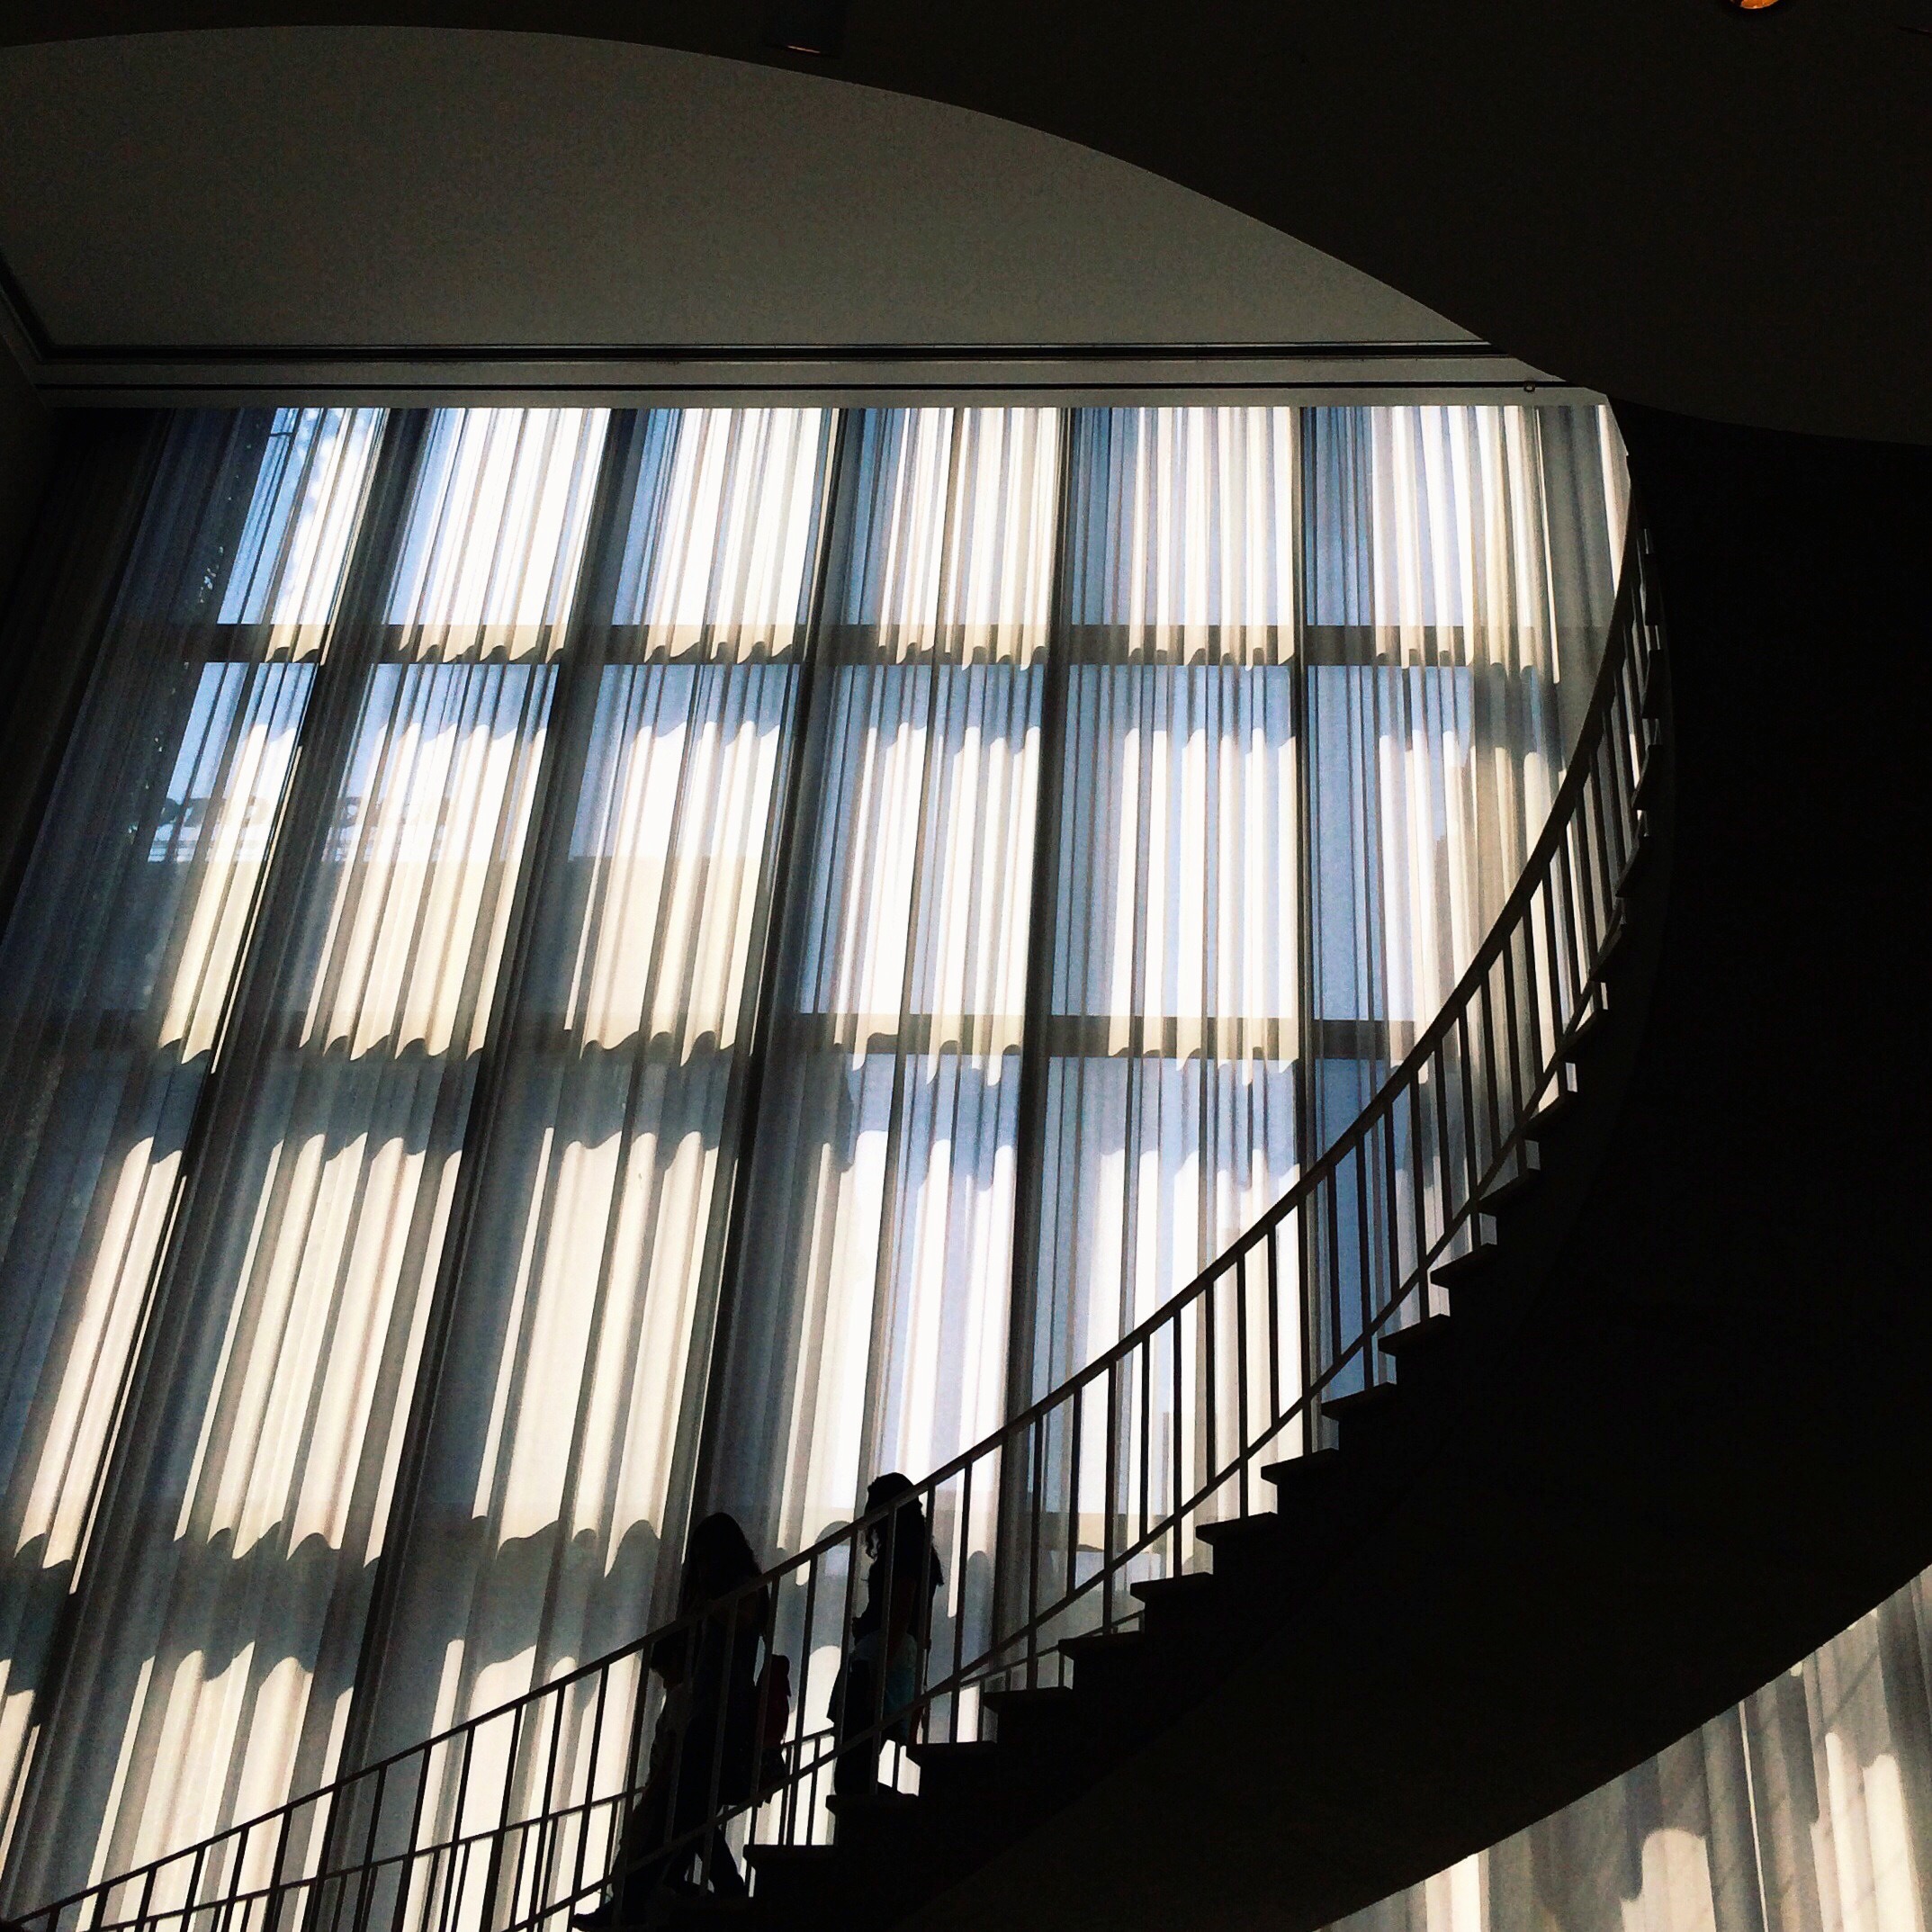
x: 1257, y: 1524
x: 1193, y: 1583
x: 1501, y: 1195
x: 1369, y: 1401
x: 1040, y: 1696
x: 956, y: 1751
x: 1101, y: 1643
x: 1464, y: 1267
x: 882, y: 1802
x: 1424, y: 1337
x: 1317, y: 1466
x: 768, y: 1857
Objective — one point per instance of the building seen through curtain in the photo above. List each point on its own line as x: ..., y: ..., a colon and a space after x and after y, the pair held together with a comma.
x: 582, y: 967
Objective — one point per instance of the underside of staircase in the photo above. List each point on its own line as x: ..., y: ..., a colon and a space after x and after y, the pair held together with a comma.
x: 1668, y: 1428
x: 1676, y: 1430
x: 1357, y: 1596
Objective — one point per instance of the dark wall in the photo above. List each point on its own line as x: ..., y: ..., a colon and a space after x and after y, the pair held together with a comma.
x: 27, y: 438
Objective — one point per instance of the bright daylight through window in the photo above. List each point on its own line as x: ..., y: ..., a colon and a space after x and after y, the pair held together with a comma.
x: 584, y: 967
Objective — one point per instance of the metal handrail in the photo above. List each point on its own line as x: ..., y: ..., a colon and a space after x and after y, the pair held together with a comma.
x: 512, y: 1818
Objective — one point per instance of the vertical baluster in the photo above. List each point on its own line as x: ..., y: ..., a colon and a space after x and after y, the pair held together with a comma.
x: 1471, y: 1154
x: 1491, y: 1110
x: 493, y: 1873
x: 1602, y: 798
x: 272, y: 1915
x: 1209, y: 1321
x: 1358, y: 1158
x: 364, y: 1877
x: 1398, y: 1283
x: 592, y: 1759
x: 1177, y: 1436
x: 456, y: 1821
x: 1073, y: 1495
x: 1567, y: 872
x: 961, y: 1561
x: 1106, y: 1494
x: 412, y: 1843
x: 1036, y: 1461
x: 1419, y: 1185
x: 550, y: 1825
x: 1146, y: 1432
x: 1241, y: 1377
x: 1273, y: 1239
x: 1331, y: 1218
x: 1445, y: 1183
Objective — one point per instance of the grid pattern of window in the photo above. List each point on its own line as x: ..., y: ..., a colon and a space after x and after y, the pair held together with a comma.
x: 587, y: 966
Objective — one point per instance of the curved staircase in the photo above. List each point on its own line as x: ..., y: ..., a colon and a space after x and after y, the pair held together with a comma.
x: 1226, y: 1556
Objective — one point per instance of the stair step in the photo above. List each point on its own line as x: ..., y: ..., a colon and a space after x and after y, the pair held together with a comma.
x: 1465, y: 1268
x: 1502, y: 1196
x: 1590, y: 1028
x: 1647, y: 778
x: 1096, y: 1644
x: 945, y: 1769
x: 1423, y: 1345
x: 790, y: 1877
x: 1612, y: 944
x: 883, y: 1803
x: 1557, y: 1111
x: 1026, y: 1714
x: 788, y: 1857
x: 1300, y: 1475
x: 1639, y: 852
x: 1174, y: 1602
x: 1233, y: 1533
x: 1173, y: 1589
x: 1370, y: 1419
x: 1103, y: 1660
x: 1369, y: 1401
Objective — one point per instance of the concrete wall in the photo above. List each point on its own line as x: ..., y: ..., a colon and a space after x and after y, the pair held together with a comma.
x: 26, y: 455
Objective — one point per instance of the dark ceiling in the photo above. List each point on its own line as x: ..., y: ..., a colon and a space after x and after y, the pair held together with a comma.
x: 1720, y: 213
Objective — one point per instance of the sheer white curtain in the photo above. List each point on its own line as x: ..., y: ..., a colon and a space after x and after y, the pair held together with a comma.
x: 1170, y: 1090
x: 869, y: 1326
x: 1806, y: 1808
x: 115, y: 980
x: 1456, y: 595
x: 560, y: 1454
x: 413, y: 1051
x: 220, y: 1616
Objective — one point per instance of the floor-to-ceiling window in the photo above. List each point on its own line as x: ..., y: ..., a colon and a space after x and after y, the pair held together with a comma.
x: 583, y: 965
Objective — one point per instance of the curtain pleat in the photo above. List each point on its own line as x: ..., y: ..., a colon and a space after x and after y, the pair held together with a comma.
x: 561, y: 1450
x: 868, y: 1330
x: 116, y: 974
x: 442, y: 1149
x: 220, y: 1622
x: 1439, y: 660
x: 1169, y: 1101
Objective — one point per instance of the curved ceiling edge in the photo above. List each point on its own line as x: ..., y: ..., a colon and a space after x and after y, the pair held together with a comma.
x: 1661, y: 201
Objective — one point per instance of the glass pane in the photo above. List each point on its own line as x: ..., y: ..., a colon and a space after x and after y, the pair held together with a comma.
x: 116, y: 970
x: 224, y: 1614
x: 587, y: 1298
x: 869, y: 1329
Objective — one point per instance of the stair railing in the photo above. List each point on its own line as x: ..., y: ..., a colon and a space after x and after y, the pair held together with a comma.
x: 519, y: 1817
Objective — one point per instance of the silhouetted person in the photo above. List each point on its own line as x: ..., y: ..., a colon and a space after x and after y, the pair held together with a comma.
x: 885, y: 1669
x: 704, y: 1751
